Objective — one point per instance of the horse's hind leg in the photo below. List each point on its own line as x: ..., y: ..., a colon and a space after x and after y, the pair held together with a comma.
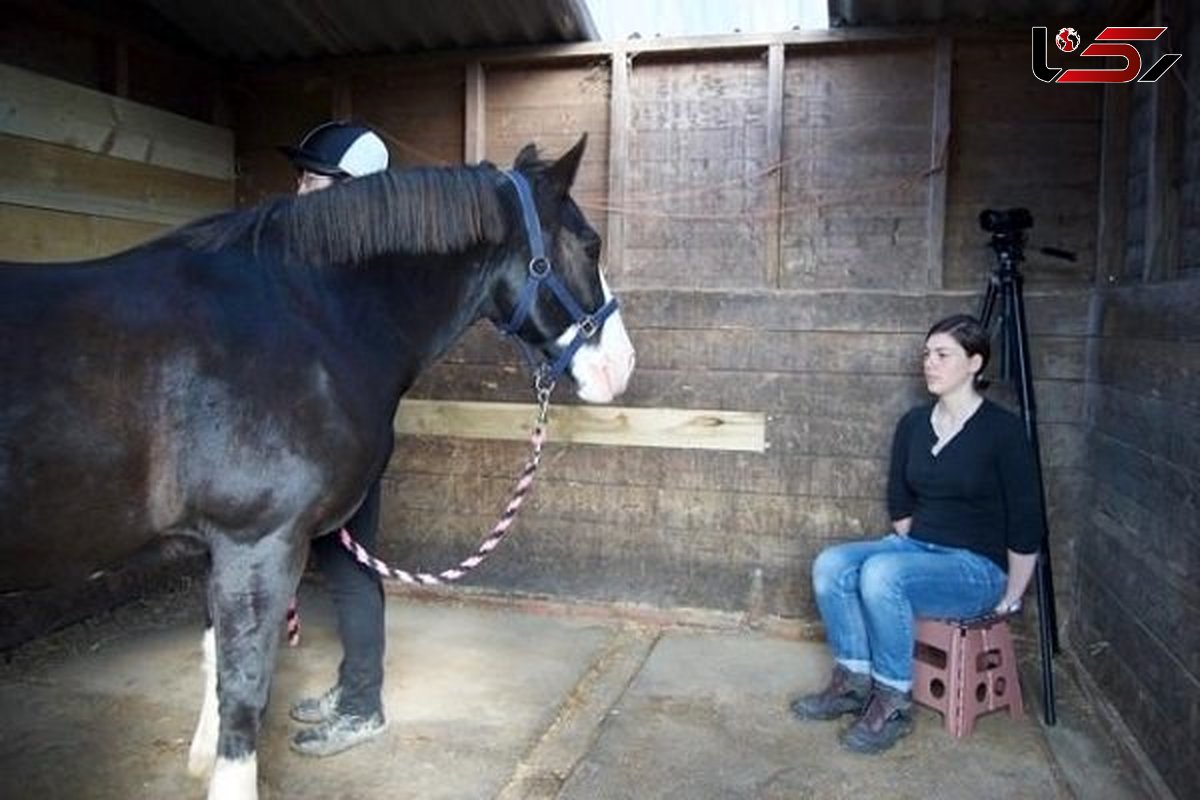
x: 249, y: 590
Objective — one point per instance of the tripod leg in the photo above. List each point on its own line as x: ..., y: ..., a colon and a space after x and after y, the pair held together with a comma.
x: 987, y: 304
x: 1047, y: 636
x: 1047, y: 617
x: 1046, y: 583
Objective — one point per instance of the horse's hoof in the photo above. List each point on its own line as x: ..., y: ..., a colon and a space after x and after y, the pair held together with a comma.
x: 235, y: 780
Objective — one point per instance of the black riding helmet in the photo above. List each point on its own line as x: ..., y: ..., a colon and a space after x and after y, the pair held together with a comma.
x: 339, y: 150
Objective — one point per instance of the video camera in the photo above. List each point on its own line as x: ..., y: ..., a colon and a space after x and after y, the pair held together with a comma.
x: 1009, y: 221
x: 1008, y: 228
x: 1008, y: 233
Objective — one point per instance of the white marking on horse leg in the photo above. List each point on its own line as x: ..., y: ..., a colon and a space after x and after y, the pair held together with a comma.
x: 204, y: 742
x: 235, y: 779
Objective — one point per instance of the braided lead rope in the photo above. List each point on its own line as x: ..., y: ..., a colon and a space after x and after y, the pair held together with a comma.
x: 502, y: 527
x: 293, y: 624
x: 494, y: 537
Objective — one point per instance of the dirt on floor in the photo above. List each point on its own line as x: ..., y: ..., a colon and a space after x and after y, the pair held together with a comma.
x: 492, y: 699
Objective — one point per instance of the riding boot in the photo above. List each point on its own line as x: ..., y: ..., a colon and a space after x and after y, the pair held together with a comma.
x: 337, y: 733
x: 886, y: 719
x: 846, y: 693
x: 312, y: 710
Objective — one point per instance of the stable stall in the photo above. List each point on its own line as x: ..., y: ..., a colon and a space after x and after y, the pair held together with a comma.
x: 783, y: 215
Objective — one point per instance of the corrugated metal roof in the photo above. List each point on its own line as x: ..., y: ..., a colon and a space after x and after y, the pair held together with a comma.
x: 248, y: 31
x: 889, y: 13
x: 647, y: 19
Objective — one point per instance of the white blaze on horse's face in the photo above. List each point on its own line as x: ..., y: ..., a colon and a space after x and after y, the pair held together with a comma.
x: 601, y: 368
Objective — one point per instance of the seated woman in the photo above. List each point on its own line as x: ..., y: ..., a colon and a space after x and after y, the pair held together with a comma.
x: 967, y: 524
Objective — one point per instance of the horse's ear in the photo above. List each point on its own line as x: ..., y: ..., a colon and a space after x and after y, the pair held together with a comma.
x: 527, y: 157
x: 562, y: 172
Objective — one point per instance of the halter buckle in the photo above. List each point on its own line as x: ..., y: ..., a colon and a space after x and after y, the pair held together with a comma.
x: 539, y: 267
x: 588, y: 327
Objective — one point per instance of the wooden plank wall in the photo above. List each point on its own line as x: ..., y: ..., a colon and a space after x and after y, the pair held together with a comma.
x: 1138, y: 552
x: 1010, y: 141
x: 768, y: 212
x: 857, y: 130
x: 417, y: 108
x: 552, y: 105
x: 1189, y: 222
x: 695, y: 188
x: 84, y: 174
x: 1138, y: 594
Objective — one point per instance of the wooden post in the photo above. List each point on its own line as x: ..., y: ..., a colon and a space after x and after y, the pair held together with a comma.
x: 341, y: 103
x: 474, y: 118
x: 121, y: 69
x: 1114, y: 179
x: 939, y: 156
x: 1165, y: 156
x: 618, y: 154
x: 774, y: 226
x: 113, y: 65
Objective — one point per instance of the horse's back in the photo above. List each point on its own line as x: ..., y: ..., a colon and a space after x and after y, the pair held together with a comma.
x: 159, y: 391
x: 101, y: 360
x: 67, y: 416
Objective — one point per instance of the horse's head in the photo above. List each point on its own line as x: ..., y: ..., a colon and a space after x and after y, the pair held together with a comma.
x: 551, y: 293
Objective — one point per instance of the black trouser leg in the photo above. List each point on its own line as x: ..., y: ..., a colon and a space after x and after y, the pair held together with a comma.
x: 358, y: 599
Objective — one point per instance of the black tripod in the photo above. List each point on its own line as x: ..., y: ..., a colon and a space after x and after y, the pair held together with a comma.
x: 1004, y: 291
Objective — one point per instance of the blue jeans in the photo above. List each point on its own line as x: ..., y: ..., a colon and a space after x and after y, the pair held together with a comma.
x: 868, y: 593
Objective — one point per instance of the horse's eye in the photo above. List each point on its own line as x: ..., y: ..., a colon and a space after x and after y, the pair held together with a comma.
x: 592, y: 249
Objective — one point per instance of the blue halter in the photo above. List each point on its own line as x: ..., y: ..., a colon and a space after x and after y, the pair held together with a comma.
x: 541, y: 272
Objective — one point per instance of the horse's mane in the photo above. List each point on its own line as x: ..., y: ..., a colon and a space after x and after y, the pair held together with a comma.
x: 424, y: 210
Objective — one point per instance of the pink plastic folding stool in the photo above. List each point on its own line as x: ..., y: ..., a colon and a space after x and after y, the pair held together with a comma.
x: 965, y: 670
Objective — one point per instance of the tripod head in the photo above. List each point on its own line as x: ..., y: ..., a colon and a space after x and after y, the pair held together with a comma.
x: 1008, y: 238
x: 1008, y: 233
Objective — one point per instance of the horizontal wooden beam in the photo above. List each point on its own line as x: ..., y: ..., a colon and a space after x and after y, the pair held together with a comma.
x: 42, y: 175
x: 57, y: 112
x: 587, y: 52
x: 683, y: 428
x: 39, y: 235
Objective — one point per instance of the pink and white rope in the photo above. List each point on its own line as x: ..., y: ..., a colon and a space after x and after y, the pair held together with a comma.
x: 494, y: 537
x: 501, y: 529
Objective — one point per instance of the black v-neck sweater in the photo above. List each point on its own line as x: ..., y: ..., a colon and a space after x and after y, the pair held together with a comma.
x: 980, y: 492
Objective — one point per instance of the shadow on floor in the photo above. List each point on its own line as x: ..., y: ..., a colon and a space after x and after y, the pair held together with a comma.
x: 511, y: 701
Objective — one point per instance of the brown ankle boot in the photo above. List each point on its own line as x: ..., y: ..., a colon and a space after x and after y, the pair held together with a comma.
x: 886, y: 720
x: 846, y: 693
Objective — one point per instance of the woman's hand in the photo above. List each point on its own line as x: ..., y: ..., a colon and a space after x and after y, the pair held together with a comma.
x: 1020, y: 570
x: 902, y: 526
x: 1006, y: 607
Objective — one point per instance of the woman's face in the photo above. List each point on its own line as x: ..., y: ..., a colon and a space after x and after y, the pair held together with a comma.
x: 948, y: 368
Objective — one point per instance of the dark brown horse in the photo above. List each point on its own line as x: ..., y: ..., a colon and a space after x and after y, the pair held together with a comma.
x: 235, y: 381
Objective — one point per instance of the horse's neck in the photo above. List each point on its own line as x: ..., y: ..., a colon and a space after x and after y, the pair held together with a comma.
x: 436, y: 306
x: 403, y: 316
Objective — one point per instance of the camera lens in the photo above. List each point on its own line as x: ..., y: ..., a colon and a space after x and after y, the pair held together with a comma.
x: 1013, y: 219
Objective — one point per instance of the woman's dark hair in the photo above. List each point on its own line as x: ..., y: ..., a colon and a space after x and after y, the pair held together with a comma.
x: 971, y: 336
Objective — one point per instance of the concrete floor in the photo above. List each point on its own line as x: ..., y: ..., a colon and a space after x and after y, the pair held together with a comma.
x: 514, y: 702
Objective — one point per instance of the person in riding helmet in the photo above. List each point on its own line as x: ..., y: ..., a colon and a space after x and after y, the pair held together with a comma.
x: 333, y: 152
x: 351, y: 711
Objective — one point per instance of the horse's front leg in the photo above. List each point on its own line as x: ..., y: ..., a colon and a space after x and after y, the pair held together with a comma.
x: 203, y: 754
x: 249, y: 589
